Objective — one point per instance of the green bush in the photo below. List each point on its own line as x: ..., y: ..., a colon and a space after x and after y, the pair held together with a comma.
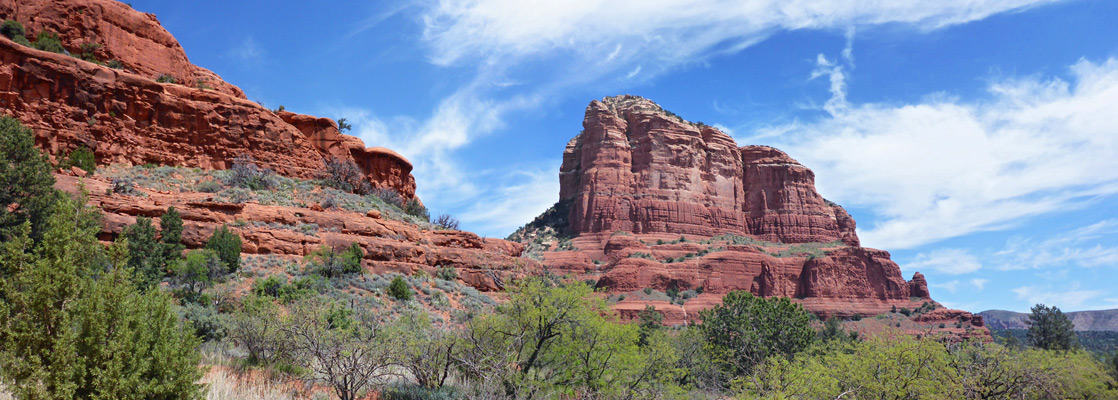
x: 399, y: 290
x: 199, y: 271
x: 745, y: 330
x: 144, y: 254
x: 47, y: 41
x: 14, y: 30
x: 165, y: 78
x: 447, y: 274
x: 81, y: 157
x: 330, y: 264
x: 227, y: 244
x: 415, y: 208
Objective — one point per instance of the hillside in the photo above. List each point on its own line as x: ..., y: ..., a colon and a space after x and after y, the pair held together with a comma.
x: 1094, y: 320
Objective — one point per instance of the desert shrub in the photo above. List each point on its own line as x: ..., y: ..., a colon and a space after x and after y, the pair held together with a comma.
x: 208, y: 324
x: 269, y: 286
x: 399, y: 290
x: 390, y: 197
x: 209, y: 186
x: 165, y: 78
x: 447, y: 274
x: 14, y: 30
x: 89, y: 52
x: 419, y: 392
x: 115, y: 64
x: 48, y: 41
x: 124, y: 186
x: 199, y: 271
x: 227, y: 245
x: 235, y: 195
x: 905, y: 311
x: 82, y: 158
x: 330, y: 264
x: 346, y: 176
x: 445, y: 221
x: 246, y: 174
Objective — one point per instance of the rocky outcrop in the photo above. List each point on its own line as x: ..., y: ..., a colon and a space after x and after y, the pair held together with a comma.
x: 389, y: 245
x: 637, y: 168
x: 126, y: 117
x: 134, y: 38
x: 649, y: 201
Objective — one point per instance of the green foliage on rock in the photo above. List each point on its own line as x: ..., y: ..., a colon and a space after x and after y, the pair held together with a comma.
x: 1050, y: 329
x: 331, y: 264
x: 745, y: 330
x: 14, y: 30
x: 227, y: 244
x: 48, y: 41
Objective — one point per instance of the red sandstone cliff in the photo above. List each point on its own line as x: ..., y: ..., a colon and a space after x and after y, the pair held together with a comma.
x: 126, y: 117
x: 649, y: 200
x: 640, y: 169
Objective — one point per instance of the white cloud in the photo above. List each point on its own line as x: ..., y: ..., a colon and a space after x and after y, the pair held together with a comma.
x: 668, y: 31
x: 948, y: 286
x: 1090, y: 246
x: 979, y: 283
x: 1070, y: 297
x: 517, y: 198
x: 946, y: 261
x: 546, y: 47
x: 945, y: 168
x: 247, y: 50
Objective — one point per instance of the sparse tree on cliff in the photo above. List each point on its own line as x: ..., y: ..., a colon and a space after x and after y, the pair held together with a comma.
x: 1050, y: 329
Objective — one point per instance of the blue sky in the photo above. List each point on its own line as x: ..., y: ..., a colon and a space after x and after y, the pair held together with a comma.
x: 975, y: 140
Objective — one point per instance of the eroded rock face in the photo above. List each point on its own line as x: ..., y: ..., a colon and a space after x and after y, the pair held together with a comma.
x: 134, y: 38
x: 652, y: 201
x: 637, y: 168
x: 390, y: 246
x: 129, y: 118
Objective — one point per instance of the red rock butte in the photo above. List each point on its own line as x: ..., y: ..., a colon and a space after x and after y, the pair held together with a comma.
x: 649, y: 200
x: 126, y: 117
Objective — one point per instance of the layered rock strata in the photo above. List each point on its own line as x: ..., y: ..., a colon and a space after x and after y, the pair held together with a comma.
x: 390, y: 246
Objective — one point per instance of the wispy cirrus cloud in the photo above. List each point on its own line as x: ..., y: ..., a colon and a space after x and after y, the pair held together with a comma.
x: 1067, y: 296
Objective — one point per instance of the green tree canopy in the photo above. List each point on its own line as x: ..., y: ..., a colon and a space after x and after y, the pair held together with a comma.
x: 72, y: 325
x: 227, y: 244
x: 1050, y: 329
x: 26, y: 185
x: 745, y: 330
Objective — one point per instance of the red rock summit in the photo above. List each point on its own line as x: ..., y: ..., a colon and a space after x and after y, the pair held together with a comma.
x: 651, y: 201
x: 126, y: 117
x: 640, y: 169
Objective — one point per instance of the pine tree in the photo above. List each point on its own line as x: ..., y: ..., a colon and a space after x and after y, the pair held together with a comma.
x: 1050, y: 329
x: 227, y: 244
x: 170, y: 236
x: 26, y: 185
x: 145, y: 256
x: 73, y: 325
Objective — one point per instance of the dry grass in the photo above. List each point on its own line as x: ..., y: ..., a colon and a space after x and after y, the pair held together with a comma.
x: 226, y: 385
